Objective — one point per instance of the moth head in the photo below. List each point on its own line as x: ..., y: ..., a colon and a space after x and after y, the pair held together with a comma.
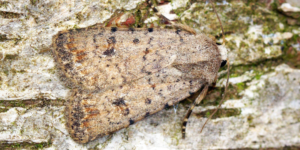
x: 223, y: 52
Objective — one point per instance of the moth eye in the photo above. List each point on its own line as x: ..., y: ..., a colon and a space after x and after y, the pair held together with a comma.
x: 218, y: 43
x: 223, y: 63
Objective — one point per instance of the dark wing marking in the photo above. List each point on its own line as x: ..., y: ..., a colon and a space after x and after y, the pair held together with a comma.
x: 93, y: 115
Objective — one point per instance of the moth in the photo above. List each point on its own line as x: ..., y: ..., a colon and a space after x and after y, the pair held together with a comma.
x: 119, y: 76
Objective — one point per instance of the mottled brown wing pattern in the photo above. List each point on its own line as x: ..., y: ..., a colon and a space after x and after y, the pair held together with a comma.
x: 124, y: 75
x: 97, y: 58
x: 106, y: 112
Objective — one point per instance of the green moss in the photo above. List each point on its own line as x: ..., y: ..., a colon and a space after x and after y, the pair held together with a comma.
x: 34, y: 2
x: 52, y: 70
x: 6, y: 72
x: 207, y: 114
x: 25, y: 145
x: 250, y: 121
x: 11, y: 56
x: 241, y: 86
x: 258, y: 68
x: 75, y: 26
x: 179, y: 11
x: 9, y: 15
x: 4, y: 4
x: 221, y: 113
x: 138, y: 18
x: 7, y: 104
x: 257, y: 77
x: 3, y: 37
x: 291, y: 55
x: 79, y: 16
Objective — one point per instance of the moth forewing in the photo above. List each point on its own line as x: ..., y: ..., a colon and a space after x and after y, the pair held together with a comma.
x: 124, y: 75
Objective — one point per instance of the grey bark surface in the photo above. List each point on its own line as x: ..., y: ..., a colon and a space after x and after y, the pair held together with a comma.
x: 263, y: 103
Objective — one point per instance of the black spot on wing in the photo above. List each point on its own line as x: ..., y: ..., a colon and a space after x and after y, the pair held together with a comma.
x: 111, y: 40
x: 177, y: 31
x: 65, y: 56
x: 61, y: 39
x: 147, y: 114
x: 148, y: 101
x: 96, y: 35
x: 126, y: 111
x: 131, y: 121
x: 136, y: 41
x: 146, y: 51
x: 150, y: 29
x: 69, y: 66
x: 109, y: 52
x: 119, y: 102
x: 114, y: 29
x: 150, y: 40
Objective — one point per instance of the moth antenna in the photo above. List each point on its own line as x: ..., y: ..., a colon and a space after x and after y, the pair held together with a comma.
x: 228, y: 71
x: 213, y: 6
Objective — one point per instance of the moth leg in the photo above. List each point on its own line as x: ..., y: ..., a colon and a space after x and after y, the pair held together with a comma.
x: 114, y: 21
x: 175, y: 25
x: 178, y: 25
x: 187, y: 115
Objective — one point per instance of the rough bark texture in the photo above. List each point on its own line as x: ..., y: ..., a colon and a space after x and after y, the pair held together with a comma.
x: 262, y: 108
